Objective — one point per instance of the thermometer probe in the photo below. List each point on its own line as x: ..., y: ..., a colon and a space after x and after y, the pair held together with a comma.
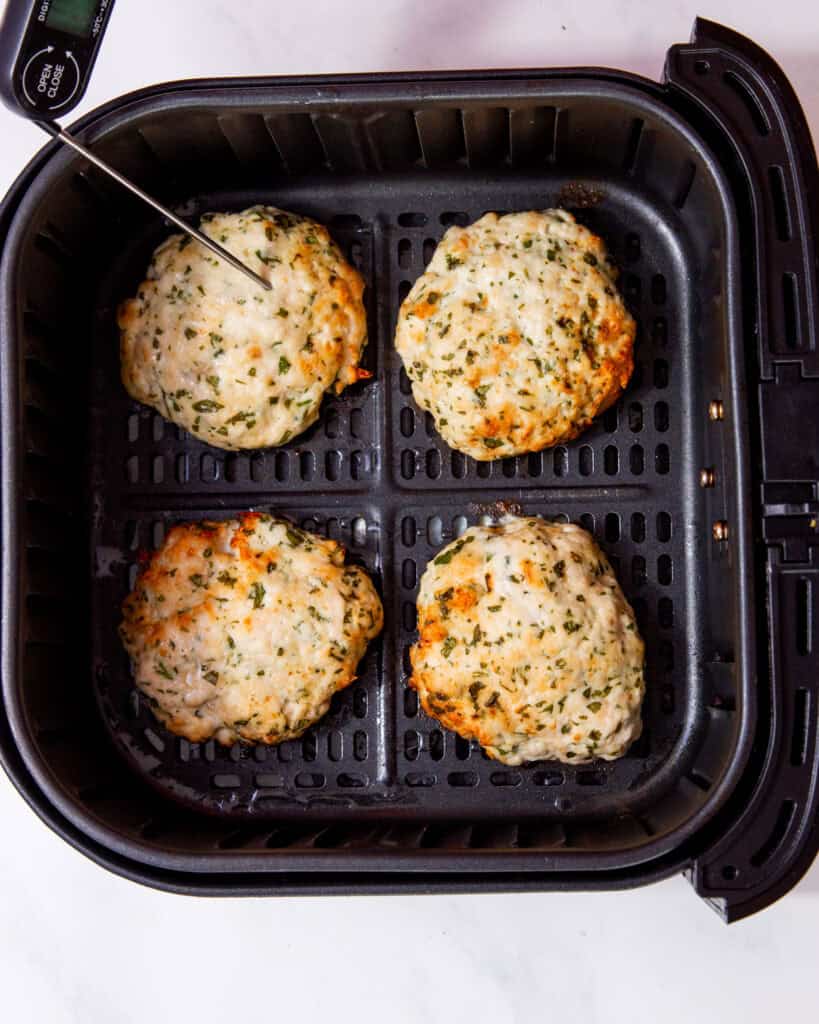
x: 48, y: 49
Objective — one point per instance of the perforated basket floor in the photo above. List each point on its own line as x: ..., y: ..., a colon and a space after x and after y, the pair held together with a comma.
x: 373, y: 474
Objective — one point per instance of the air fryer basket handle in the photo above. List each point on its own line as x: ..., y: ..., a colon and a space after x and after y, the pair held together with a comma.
x: 773, y: 834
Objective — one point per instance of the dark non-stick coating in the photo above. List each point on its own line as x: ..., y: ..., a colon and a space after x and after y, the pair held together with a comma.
x: 387, y: 173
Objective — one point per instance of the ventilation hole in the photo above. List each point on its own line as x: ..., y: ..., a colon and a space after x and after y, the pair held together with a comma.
x: 563, y: 804
x: 359, y: 465
x: 804, y: 615
x: 585, y: 460
x: 610, y: 419
x: 307, y: 465
x: 420, y: 779
x: 132, y: 427
x: 484, y: 470
x: 157, y: 533
x: 633, y: 146
x: 412, y: 744
x: 407, y: 464
x: 410, y: 703
x: 534, y: 464
x: 632, y: 288
x: 462, y: 780
x: 182, y: 469
x: 801, y: 727
x: 433, y: 464
x: 660, y: 373
x: 308, y: 747
x: 662, y: 459
x: 449, y: 218
x: 590, y: 778
x: 702, y: 67
x: 352, y: 780
x: 659, y: 332
x: 459, y: 524
x: 729, y: 872
x: 436, y: 744
x: 309, y: 780
x: 408, y: 573
x: 687, y: 175
x: 611, y: 459
x: 548, y: 778
x: 407, y: 421
x: 428, y: 249
x: 587, y: 521
x: 458, y: 462
x: 505, y: 778
x: 638, y: 571
x: 226, y: 781
x: 560, y: 461
x: 281, y: 466
x: 635, y: 417
x: 409, y: 616
x: 409, y: 531
x: 632, y: 247
x: 750, y: 101
x: 403, y: 292
x: 412, y: 220
x: 658, y: 290
x: 612, y: 528
x: 663, y: 527
x: 509, y: 467
x: 360, y: 702
x: 332, y: 465
x: 435, y: 530
x: 257, y: 468
x: 132, y: 469
x: 404, y: 383
x: 462, y: 748
x: 360, y: 745
x: 778, y: 833
x: 661, y: 417
x: 636, y: 381
x: 158, y: 469
x: 664, y: 571
x: 636, y: 460
x: 357, y: 424
x: 429, y: 424
x: 335, y: 745
x: 665, y: 612
x: 404, y: 253
x: 666, y: 656
x: 790, y: 308
x: 331, y: 424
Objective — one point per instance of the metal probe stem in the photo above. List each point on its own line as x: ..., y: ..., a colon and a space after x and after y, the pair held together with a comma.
x: 57, y: 132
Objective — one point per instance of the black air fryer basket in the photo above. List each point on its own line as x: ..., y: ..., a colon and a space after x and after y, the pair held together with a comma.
x: 701, y: 485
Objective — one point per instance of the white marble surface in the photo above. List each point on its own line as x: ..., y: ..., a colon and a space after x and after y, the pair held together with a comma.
x: 77, y: 944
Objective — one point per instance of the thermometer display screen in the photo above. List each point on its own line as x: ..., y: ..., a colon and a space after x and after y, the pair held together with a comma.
x: 75, y: 17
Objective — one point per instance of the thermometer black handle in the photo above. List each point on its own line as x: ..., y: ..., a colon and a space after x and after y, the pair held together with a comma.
x: 47, y: 51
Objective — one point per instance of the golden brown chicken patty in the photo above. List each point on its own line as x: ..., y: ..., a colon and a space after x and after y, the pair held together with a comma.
x: 244, y: 629
x: 515, y: 337
x: 527, y: 644
x: 238, y: 366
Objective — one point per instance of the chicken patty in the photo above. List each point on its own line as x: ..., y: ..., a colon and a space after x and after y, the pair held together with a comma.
x: 238, y: 366
x: 244, y: 629
x: 527, y: 644
x: 515, y: 337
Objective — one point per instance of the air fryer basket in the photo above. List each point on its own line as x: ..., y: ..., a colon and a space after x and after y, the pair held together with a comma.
x: 376, y: 793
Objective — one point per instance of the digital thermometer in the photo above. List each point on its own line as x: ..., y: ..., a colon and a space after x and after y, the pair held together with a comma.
x: 47, y: 51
